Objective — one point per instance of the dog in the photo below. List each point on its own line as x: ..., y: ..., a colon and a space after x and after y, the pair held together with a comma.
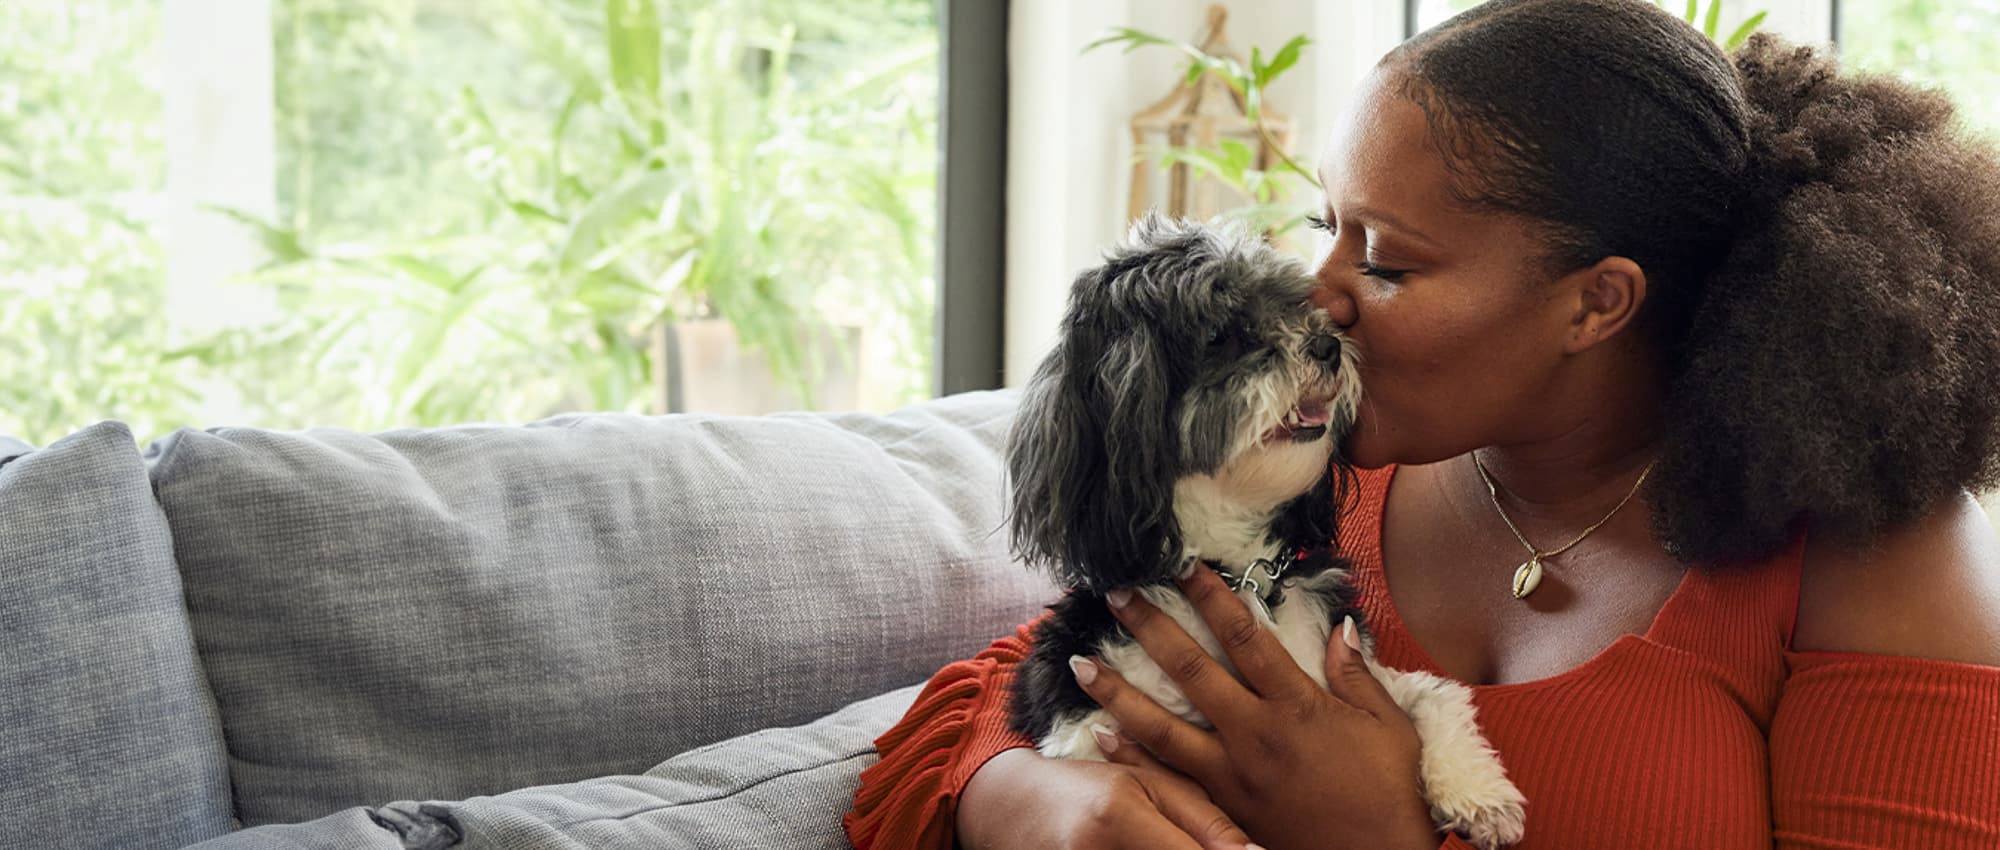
x: 1190, y: 412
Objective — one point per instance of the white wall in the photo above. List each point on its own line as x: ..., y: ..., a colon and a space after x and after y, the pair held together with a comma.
x: 1069, y: 151
x: 221, y: 153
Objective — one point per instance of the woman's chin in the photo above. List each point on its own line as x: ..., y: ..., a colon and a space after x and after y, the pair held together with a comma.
x: 1362, y: 448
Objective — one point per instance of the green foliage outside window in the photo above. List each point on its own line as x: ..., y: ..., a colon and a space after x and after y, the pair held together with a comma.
x: 1952, y: 45
x: 485, y: 209
x: 81, y: 160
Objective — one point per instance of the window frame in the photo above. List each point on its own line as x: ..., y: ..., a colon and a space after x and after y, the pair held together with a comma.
x: 972, y: 190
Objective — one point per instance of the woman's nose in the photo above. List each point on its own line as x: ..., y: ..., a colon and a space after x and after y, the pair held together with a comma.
x: 1333, y: 298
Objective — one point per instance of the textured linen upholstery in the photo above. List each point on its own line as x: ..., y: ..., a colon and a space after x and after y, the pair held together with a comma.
x: 108, y: 737
x: 12, y: 447
x: 777, y: 788
x: 447, y: 613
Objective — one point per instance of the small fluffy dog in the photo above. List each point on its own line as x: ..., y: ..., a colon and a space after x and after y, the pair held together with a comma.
x: 1189, y: 412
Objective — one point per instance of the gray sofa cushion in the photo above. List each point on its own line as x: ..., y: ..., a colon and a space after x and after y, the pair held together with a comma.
x: 12, y: 447
x: 439, y: 614
x: 111, y: 739
x: 777, y: 788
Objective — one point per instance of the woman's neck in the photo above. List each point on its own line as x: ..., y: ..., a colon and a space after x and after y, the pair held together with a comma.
x: 1555, y: 481
x: 1583, y: 465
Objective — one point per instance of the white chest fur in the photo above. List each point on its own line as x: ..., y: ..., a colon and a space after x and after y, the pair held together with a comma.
x: 1463, y: 779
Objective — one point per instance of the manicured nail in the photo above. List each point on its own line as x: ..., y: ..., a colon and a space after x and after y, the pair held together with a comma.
x: 1118, y: 598
x: 1085, y: 671
x: 1252, y: 847
x: 1347, y: 633
x: 1106, y: 739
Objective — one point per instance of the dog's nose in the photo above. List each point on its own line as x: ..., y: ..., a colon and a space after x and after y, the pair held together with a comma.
x: 1324, y: 348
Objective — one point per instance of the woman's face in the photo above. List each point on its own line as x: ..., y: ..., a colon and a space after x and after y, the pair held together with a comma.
x: 1459, y: 335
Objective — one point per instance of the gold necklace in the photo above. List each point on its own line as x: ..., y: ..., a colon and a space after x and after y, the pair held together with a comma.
x: 1528, y: 575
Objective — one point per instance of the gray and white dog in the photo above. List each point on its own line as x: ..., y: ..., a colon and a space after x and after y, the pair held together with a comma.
x: 1190, y: 411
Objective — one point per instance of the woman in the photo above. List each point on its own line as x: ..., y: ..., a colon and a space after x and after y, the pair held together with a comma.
x: 1712, y: 349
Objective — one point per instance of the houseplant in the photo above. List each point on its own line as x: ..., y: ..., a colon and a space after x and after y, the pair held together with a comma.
x: 709, y: 168
x: 1276, y: 208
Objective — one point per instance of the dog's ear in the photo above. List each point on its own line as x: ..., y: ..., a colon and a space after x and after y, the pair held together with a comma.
x: 1049, y: 447
x: 1142, y: 442
x: 1091, y: 457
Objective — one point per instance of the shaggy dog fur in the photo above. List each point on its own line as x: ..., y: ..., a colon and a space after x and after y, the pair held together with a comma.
x: 1189, y: 413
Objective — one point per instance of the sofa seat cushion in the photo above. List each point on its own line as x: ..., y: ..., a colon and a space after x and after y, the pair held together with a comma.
x: 446, y: 613
x: 771, y: 788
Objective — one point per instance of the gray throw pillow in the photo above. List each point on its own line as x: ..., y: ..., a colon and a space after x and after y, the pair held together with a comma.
x: 445, y: 613
x: 108, y: 737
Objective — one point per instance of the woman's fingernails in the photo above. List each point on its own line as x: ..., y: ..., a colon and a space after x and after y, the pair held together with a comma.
x: 1106, y: 739
x: 1085, y: 671
x: 1252, y: 847
x: 1118, y: 598
x: 1347, y: 633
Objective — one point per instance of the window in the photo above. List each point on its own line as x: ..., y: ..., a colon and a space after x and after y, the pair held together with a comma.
x: 1951, y: 45
x: 383, y: 213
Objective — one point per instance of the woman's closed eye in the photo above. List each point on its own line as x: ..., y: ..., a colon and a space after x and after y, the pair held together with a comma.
x: 1319, y: 222
x: 1388, y: 274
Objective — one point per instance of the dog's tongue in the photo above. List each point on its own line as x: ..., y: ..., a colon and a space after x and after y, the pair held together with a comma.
x: 1310, y: 413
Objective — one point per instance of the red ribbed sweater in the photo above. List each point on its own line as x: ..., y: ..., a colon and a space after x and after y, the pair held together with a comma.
x: 1706, y: 731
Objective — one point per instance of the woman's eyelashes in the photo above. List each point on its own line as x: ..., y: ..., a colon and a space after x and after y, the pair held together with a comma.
x: 1320, y: 223
x: 1372, y: 270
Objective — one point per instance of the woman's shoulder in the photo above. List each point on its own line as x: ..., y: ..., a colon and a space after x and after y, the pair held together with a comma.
x: 1927, y: 589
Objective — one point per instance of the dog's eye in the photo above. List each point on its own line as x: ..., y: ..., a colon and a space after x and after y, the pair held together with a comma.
x: 1216, y: 336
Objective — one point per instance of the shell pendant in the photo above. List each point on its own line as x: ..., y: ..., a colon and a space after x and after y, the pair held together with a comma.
x: 1527, y: 577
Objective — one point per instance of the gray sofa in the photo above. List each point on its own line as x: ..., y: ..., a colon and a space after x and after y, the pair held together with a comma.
x: 594, y: 631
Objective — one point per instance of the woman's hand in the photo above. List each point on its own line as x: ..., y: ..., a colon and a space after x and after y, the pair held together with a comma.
x: 1019, y: 799
x: 1296, y: 766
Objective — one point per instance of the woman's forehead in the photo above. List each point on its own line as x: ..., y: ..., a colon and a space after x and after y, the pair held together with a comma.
x: 1380, y: 165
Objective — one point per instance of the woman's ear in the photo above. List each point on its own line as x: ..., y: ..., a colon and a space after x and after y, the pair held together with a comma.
x: 1608, y: 295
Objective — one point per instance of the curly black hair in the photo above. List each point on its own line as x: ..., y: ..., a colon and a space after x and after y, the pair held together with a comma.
x: 1822, y: 250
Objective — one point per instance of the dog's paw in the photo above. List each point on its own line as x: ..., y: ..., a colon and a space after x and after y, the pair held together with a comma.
x: 1463, y: 778
x: 1489, y: 824
x: 1470, y: 793
x: 1071, y: 737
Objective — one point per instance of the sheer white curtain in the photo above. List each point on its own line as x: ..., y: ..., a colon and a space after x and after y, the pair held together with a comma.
x: 1069, y: 150
x: 221, y: 153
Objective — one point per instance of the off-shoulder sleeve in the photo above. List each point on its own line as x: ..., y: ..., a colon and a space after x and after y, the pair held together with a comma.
x: 907, y: 801
x: 1886, y: 751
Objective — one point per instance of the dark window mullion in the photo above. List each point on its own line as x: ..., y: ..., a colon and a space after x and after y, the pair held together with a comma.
x: 972, y: 188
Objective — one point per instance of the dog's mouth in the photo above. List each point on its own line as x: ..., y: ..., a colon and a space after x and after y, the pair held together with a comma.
x: 1305, y: 423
